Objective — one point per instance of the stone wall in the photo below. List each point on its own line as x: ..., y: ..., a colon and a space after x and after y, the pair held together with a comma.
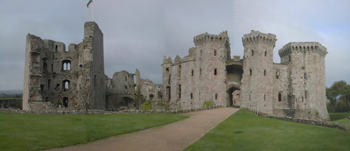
x: 11, y: 103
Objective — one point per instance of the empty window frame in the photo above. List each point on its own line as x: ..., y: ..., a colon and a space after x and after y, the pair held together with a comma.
x: 252, y: 52
x: 125, y: 89
x: 167, y: 69
x: 279, y: 96
x: 66, y: 64
x: 215, y: 52
x: 250, y: 72
x: 264, y: 72
x: 216, y: 96
x: 215, y: 71
x: 264, y: 97
x: 277, y: 74
x: 200, y: 71
x: 56, y: 47
x: 191, y: 95
x: 265, y: 53
x: 66, y: 84
x: 192, y: 73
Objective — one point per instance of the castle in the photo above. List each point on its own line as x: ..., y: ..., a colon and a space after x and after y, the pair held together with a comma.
x: 75, y: 78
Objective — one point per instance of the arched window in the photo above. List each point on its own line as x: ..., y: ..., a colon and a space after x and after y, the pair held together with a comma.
x: 215, y: 71
x: 66, y: 84
x: 252, y: 52
x: 250, y: 72
x: 264, y: 72
x: 279, y: 97
x: 66, y: 65
x: 265, y: 53
x: 215, y: 52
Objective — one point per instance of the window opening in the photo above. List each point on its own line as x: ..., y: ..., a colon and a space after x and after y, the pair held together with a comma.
x: 264, y: 97
x: 44, y: 65
x: 252, y: 52
x: 200, y: 71
x: 192, y: 72
x: 66, y: 84
x: 277, y: 74
x: 289, y: 58
x: 201, y: 52
x: 191, y: 96
x: 305, y: 94
x: 51, y: 67
x: 169, y: 79
x: 42, y: 87
x: 264, y: 72
x: 66, y: 65
x: 46, y: 99
x: 250, y: 71
x: 167, y: 69
x: 179, y: 90
x: 48, y: 84
x: 56, y: 48
x: 215, y: 52
x: 215, y: 71
x: 95, y: 80
x: 216, y: 96
x: 125, y: 89
x: 279, y: 97
x: 249, y: 97
x: 304, y: 75
x: 265, y: 53
x: 65, y: 102
x: 126, y: 78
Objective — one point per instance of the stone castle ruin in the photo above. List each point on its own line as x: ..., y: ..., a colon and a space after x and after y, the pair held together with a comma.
x: 75, y: 78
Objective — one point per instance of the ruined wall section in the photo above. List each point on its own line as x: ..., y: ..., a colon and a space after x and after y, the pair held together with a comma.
x: 256, y: 88
x: 307, y: 96
x: 166, y: 76
x: 123, y: 83
x: 93, y: 43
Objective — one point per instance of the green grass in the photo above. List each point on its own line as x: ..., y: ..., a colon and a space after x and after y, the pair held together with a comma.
x: 340, y: 118
x: 246, y: 131
x: 10, y: 98
x: 35, y: 132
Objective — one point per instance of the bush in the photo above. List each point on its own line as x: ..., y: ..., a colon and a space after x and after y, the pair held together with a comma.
x: 146, y: 105
x: 208, y: 104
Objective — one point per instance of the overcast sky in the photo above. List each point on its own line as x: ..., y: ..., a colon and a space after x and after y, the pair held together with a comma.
x: 139, y: 33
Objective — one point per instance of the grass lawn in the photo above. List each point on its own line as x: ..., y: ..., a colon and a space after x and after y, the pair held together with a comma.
x: 340, y: 118
x: 246, y: 131
x: 34, y: 132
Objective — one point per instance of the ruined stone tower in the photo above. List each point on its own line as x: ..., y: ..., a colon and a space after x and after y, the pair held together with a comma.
x: 258, y: 71
x: 72, y: 78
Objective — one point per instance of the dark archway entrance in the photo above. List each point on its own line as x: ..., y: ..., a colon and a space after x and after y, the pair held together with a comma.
x: 65, y: 102
x: 234, y: 98
x: 128, y: 102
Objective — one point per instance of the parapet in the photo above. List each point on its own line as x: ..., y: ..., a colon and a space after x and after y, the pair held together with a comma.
x: 259, y: 37
x: 299, y: 47
x: 205, y: 38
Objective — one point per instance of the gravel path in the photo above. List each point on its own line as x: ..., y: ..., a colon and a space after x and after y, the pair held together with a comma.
x: 172, y: 137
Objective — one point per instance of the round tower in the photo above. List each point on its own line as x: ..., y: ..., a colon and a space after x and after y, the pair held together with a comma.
x: 307, y: 88
x: 256, y: 85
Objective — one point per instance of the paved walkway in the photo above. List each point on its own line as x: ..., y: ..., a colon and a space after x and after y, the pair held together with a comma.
x: 172, y: 137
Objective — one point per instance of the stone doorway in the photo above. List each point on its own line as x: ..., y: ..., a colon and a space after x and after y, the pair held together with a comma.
x: 234, y: 96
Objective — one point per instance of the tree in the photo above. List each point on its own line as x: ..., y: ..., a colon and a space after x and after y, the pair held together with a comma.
x: 339, y: 91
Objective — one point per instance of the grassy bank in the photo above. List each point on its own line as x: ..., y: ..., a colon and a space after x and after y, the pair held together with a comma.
x: 34, y: 132
x: 246, y: 131
x: 340, y: 118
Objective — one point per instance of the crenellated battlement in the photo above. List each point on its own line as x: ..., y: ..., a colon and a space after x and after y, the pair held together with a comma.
x: 298, y: 47
x: 258, y: 37
x: 206, y: 38
x: 166, y: 61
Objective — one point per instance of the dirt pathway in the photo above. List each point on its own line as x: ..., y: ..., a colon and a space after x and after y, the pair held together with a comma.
x: 172, y: 137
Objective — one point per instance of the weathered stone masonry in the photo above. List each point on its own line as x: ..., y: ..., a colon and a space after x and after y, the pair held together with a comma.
x: 293, y: 88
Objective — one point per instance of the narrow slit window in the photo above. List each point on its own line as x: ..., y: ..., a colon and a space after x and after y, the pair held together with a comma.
x: 191, y: 95
x: 277, y: 74
x: 304, y: 75
x: 252, y: 52
x: 215, y: 71
x: 192, y: 73
x: 279, y: 97
x: 216, y: 96
x: 305, y: 94
x: 264, y: 72
x: 265, y: 54
x: 250, y: 72
x: 215, y: 52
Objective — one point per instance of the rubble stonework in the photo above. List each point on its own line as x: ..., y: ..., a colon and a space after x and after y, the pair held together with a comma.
x: 293, y: 88
x: 72, y: 78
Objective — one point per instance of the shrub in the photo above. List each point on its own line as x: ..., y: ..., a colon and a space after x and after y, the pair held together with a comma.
x: 146, y: 105
x: 209, y: 103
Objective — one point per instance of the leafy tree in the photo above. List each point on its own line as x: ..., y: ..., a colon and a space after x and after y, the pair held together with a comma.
x: 339, y: 91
